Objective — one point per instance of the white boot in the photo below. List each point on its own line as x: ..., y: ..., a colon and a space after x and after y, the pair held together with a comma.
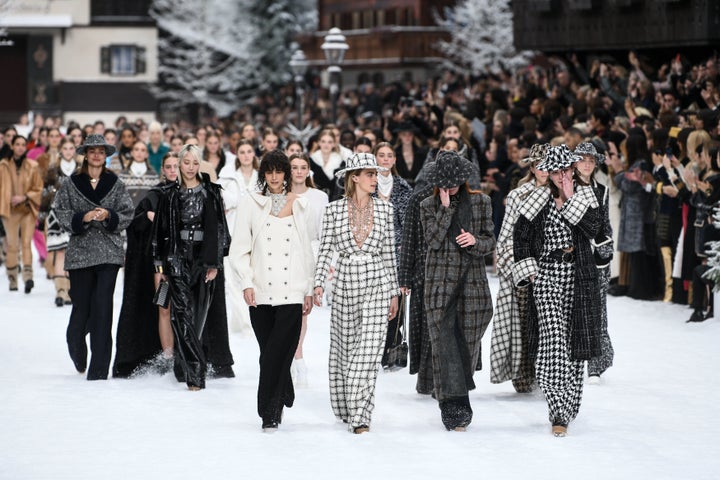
x: 298, y: 370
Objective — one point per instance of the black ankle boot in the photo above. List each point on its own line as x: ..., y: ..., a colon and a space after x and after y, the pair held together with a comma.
x: 697, y: 316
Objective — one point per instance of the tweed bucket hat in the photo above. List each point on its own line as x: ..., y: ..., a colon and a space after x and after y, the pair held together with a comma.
x: 587, y: 148
x: 95, y: 140
x: 557, y: 158
x: 537, y: 154
x: 450, y: 170
x: 360, y: 161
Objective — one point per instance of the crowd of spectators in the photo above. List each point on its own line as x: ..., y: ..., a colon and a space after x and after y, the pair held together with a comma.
x: 656, y: 124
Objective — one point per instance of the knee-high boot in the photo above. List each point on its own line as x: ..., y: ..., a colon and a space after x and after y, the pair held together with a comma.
x: 667, y: 266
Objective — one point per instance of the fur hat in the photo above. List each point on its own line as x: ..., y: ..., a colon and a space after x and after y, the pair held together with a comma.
x: 451, y: 170
x: 537, y: 154
x: 95, y: 140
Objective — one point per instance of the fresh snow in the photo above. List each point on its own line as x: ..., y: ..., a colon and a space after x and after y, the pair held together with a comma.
x: 654, y: 415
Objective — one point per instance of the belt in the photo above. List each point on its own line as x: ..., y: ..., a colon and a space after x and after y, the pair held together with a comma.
x: 357, y: 257
x: 560, y: 255
x: 192, y: 235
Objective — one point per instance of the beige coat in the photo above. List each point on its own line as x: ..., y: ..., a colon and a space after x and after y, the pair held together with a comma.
x: 27, y: 182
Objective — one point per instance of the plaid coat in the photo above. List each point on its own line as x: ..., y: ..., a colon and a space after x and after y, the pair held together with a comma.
x: 444, y: 267
x: 583, y: 214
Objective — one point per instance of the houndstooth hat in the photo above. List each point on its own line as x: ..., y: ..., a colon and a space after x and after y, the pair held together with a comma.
x: 360, y: 161
x: 557, y: 158
x: 537, y: 154
x: 95, y: 140
x: 587, y: 148
x: 451, y: 170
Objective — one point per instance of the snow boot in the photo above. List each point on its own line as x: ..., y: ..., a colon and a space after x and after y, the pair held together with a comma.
x: 27, y: 275
x: 12, y: 274
x: 61, y: 291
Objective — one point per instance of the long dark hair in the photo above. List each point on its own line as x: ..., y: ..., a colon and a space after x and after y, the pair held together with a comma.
x: 274, y: 161
x: 12, y: 143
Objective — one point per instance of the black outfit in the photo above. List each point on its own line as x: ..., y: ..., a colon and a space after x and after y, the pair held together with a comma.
x: 277, y: 330
x: 419, y: 155
x: 190, y: 236
x: 137, y: 340
x: 92, y: 298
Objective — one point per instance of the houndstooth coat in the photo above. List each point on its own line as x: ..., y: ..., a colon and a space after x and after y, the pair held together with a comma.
x: 583, y: 213
x: 444, y: 267
x: 507, y: 356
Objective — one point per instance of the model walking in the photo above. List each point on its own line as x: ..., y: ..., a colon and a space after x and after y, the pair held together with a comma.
x: 603, y: 248
x: 360, y: 229
x: 95, y: 207
x: 458, y: 230
x: 510, y: 358
x: 552, y: 250
x: 274, y: 259
x: 190, y: 239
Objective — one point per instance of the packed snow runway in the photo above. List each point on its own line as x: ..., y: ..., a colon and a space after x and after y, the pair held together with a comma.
x: 654, y: 416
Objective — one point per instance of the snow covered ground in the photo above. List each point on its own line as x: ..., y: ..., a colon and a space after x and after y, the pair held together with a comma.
x: 655, y: 415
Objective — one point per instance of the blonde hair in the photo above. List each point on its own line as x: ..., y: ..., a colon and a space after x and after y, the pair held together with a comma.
x: 696, y: 138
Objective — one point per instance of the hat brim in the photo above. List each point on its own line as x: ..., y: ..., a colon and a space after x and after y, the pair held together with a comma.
x: 341, y: 173
x: 109, y: 149
x: 437, y: 179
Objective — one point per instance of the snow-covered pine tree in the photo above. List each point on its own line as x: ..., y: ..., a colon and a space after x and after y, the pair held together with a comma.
x: 481, y: 37
x: 205, y: 54
x: 277, y: 23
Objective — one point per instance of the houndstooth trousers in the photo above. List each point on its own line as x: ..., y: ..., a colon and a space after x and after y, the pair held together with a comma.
x: 357, y: 336
x: 559, y: 377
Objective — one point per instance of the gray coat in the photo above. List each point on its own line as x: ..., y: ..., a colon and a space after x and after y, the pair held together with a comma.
x: 457, y: 298
x: 634, y: 208
x: 93, y: 243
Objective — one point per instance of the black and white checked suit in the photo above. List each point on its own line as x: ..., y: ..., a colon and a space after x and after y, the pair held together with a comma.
x: 365, y: 281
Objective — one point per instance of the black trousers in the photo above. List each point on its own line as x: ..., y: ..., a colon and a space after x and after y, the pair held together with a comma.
x: 92, y: 312
x: 190, y: 297
x: 277, y: 330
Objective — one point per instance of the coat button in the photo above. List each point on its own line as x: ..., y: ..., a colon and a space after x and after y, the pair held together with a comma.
x: 269, y: 283
x: 269, y: 254
x: 269, y: 268
x: 284, y: 283
x: 287, y: 239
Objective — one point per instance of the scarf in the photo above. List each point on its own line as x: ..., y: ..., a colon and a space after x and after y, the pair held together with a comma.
x: 68, y: 166
x: 385, y: 185
x: 138, y: 169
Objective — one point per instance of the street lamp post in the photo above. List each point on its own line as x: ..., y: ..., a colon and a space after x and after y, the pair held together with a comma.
x: 334, y: 48
x: 299, y: 66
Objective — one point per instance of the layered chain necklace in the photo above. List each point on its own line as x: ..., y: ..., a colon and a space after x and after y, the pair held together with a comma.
x: 361, y: 220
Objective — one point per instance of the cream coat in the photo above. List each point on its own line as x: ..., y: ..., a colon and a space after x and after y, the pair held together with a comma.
x: 256, y: 271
